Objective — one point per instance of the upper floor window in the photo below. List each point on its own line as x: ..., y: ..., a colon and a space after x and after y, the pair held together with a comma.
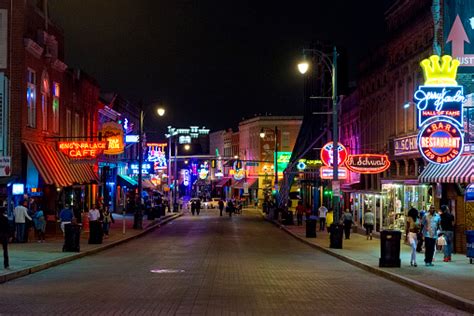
x: 45, y: 92
x: 76, y: 125
x: 31, y: 98
x: 56, y: 94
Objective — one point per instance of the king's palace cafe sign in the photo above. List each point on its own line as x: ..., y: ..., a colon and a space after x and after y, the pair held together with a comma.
x: 439, y: 105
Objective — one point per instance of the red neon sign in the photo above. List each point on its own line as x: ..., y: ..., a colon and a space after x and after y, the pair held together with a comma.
x: 440, y: 142
x: 82, y: 150
x: 327, y: 154
x: 367, y: 163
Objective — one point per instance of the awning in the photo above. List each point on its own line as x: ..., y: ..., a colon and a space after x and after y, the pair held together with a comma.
x: 56, y: 169
x: 126, y: 180
x: 241, y: 183
x: 223, y: 182
x: 460, y: 171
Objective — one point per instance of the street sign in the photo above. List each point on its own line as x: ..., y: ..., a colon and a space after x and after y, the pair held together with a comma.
x: 336, y: 188
x: 458, y: 20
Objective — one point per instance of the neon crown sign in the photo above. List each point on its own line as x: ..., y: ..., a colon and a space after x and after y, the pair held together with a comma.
x: 440, y: 74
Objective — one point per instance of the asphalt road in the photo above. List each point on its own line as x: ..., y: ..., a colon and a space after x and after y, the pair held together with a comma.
x: 212, y: 265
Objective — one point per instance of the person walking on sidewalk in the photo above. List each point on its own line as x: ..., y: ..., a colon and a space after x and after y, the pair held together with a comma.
x: 221, y: 206
x: 299, y: 213
x: 412, y: 229
x: 329, y: 220
x: 106, y: 220
x: 347, y: 220
x: 447, y: 228
x: 322, y: 211
x: 65, y: 217
x: 369, y: 220
x: 430, y: 223
x: 4, y: 235
x: 40, y: 224
x: 21, y: 214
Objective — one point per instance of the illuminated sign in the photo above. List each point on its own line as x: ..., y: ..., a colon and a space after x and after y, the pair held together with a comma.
x: 439, y: 101
x: 367, y: 163
x: 238, y: 174
x: 440, y: 142
x: 82, y: 150
x: 186, y: 177
x: 5, y: 166
x: 405, y: 145
x: 131, y: 139
x: 326, y: 172
x: 156, y: 154
x: 301, y: 165
x: 204, y: 171
x: 146, y: 167
x: 469, y: 193
x: 18, y: 188
x: 283, y: 158
x: 327, y: 154
x: 308, y: 164
x: 113, y: 133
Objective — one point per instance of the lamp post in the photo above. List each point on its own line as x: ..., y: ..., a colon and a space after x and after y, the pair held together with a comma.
x: 160, y: 111
x: 336, y: 230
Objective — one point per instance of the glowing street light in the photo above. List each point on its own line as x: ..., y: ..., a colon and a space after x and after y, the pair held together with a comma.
x: 303, y: 67
x: 187, y: 147
x: 262, y: 133
x: 160, y: 111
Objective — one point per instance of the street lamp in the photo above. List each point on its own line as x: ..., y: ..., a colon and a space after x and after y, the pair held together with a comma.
x: 275, y: 158
x: 336, y: 231
x: 138, y: 219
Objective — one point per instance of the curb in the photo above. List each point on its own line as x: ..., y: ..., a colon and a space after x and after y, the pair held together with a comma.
x: 440, y: 295
x: 24, y: 272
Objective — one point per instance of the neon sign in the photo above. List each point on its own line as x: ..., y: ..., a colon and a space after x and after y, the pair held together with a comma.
x: 204, y: 171
x: 82, y: 150
x: 326, y: 172
x: 440, y: 111
x: 156, y: 154
x: 440, y: 142
x: 113, y: 133
x: 146, y: 167
x: 367, y: 163
x: 327, y: 154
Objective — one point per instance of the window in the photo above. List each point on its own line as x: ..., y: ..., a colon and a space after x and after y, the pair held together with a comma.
x: 76, y: 125
x: 31, y: 98
x: 44, y: 110
x: 56, y: 94
x: 68, y: 123
x: 285, y: 140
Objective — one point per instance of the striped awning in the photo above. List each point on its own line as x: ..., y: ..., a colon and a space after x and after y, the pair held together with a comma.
x: 460, y: 171
x: 56, y: 169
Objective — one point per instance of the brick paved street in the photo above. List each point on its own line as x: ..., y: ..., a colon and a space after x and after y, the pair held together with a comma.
x: 219, y: 266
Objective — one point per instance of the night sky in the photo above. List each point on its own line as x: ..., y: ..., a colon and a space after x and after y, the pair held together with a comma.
x: 211, y: 63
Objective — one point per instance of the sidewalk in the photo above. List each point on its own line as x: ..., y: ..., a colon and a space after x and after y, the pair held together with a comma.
x: 32, y: 257
x: 451, y: 283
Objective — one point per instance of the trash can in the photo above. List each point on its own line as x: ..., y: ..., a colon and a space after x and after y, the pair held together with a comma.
x: 151, y: 213
x: 289, y: 218
x: 96, y: 233
x: 390, y: 248
x: 470, y: 244
x: 72, y: 236
x: 335, y: 236
x: 311, y: 227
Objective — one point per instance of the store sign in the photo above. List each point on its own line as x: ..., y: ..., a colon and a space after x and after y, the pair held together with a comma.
x: 327, y: 154
x: 326, y: 172
x: 304, y: 164
x: 367, y: 163
x: 131, y: 139
x: 469, y: 193
x: 82, y: 150
x: 439, y: 101
x: 186, y: 175
x: 113, y: 133
x: 405, y: 145
x: 440, y: 142
x: 5, y: 166
x: 157, y: 155
x: 283, y: 158
x: 204, y: 171
x: 146, y: 168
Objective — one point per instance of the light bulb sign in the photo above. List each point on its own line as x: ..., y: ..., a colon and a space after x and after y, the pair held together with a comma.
x: 367, y: 163
x: 327, y: 154
x: 82, y: 149
x: 440, y: 142
x: 440, y: 111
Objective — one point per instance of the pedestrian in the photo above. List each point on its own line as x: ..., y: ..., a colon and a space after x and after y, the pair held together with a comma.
x: 419, y: 235
x: 65, y: 217
x: 329, y: 220
x: 107, y: 219
x: 322, y: 212
x: 193, y: 206
x: 230, y: 207
x: 40, y: 224
x: 221, y: 206
x: 347, y: 220
x: 447, y: 229
x: 430, y: 222
x: 300, y: 210
x: 21, y: 214
x: 4, y: 235
x: 412, y: 229
x: 369, y: 221
x: 198, y: 206
x: 95, y: 234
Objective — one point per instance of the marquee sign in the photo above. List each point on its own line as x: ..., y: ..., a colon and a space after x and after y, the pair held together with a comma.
x: 440, y: 111
x: 367, y: 163
x: 327, y: 154
x: 82, y: 149
x: 326, y: 172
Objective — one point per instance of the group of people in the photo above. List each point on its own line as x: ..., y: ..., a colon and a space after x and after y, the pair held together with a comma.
x: 24, y: 218
x: 324, y: 215
x: 433, y: 228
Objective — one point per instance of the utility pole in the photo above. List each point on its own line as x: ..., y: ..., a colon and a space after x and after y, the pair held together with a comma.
x: 276, y: 158
x: 139, y: 216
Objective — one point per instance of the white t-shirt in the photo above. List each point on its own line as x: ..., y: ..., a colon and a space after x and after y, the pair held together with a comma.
x: 322, y: 211
x: 94, y: 214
